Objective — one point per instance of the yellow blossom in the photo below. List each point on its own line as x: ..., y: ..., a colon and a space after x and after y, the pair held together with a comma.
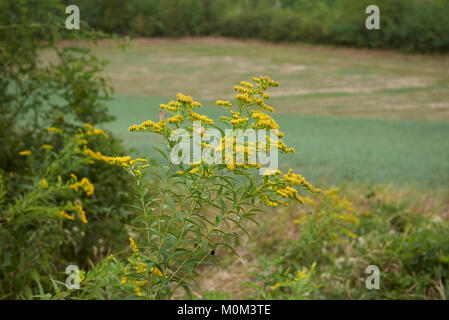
x: 82, y: 212
x: 53, y: 129
x: 87, y: 186
x: 65, y: 215
x: 91, y: 131
x: 25, y: 153
x: 133, y: 245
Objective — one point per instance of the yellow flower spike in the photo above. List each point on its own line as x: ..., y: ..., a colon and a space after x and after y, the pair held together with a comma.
x: 25, y: 153
x: 133, y: 245
x: 138, y: 291
x: 244, y: 98
x: 194, y: 170
x: 272, y: 172
x: 91, y: 131
x: 53, y: 129
x: 263, y: 121
x: 226, y: 103
x: 246, y: 84
x: 65, y: 215
x: 121, y: 161
x: 169, y: 108
x: 47, y: 146
x: 149, y: 126
x: 201, y: 118
x: 87, y: 186
x: 82, y: 276
x: 301, y: 274
x: 140, y: 160
x: 124, y: 280
x: 141, y: 267
x: 176, y: 119
x: 82, y: 212
x: 187, y: 100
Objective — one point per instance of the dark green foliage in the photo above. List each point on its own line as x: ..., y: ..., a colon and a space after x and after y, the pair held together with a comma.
x: 34, y: 243
x: 408, y: 25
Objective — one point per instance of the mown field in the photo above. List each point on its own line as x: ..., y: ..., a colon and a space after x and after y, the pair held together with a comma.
x: 359, y: 116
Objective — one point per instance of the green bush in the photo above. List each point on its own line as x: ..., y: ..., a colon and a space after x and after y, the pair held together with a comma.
x: 64, y: 94
x: 414, y: 26
x: 410, y: 249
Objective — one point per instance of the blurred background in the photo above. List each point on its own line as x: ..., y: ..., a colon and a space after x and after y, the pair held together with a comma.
x: 366, y: 110
x: 333, y: 99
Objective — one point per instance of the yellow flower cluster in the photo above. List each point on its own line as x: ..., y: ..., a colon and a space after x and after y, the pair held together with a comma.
x: 65, y: 215
x: 176, y: 119
x: 244, y: 90
x: 184, y: 99
x: 25, y: 153
x: 282, y: 147
x: 47, y: 146
x: 195, y: 170
x: 87, y: 186
x: 149, y: 126
x: 53, y: 129
x: 187, y: 101
x: 195, y: 116
x: 91, y: 131
x: 263, y: 120
x: 291, y: 193
x: 244, y: 98
x: 140, y: 268
x: 82, y: 212
x: 265, y: 81
x: 172, y: 106
x: 225, y: 104
x: 236, y: 119
x: 284, y: 187
x: 272, y: 172
x: 133, y: 245
x: 246, y: 84
x: 260, y: 102
x: 294, y: 179
x: 233, y: 166
x: 125, y: 161
x: 273, y: 202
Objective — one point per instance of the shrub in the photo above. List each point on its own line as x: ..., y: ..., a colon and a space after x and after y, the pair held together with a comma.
x: 414, y: 26
x: 341, y: 240
x: 63, y: 94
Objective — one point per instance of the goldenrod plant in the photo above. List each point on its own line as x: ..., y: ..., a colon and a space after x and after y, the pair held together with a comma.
x: 191, y: 212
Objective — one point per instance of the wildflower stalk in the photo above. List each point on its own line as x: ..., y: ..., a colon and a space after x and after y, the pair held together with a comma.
x: 185, y: 238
